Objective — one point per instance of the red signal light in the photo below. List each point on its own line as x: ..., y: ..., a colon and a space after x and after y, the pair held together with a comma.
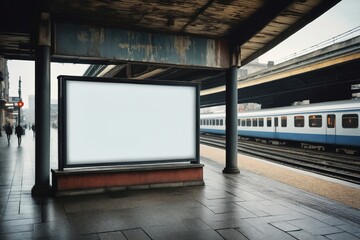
x: 20, y: 104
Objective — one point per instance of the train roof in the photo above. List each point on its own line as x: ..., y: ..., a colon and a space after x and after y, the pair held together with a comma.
x: 308, y: 108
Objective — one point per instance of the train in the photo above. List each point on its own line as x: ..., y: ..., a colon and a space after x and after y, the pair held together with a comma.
x: 329, y: 124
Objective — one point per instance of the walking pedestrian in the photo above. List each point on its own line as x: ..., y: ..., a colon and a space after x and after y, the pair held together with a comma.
x: 19, y: 131
x: 8, y: 130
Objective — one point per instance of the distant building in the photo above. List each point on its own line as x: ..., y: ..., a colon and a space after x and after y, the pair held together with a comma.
x: 54, y: 112
x: 4, y: 91
x: 253, y: 67
x: 30, y: 116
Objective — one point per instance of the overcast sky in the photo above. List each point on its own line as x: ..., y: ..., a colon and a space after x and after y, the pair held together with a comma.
x: 341, y: 18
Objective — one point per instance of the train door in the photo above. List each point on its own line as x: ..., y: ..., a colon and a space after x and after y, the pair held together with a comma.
x: 276, y: 125
x: 331, y: 129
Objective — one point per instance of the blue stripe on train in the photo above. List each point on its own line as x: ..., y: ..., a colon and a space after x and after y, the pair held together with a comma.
x: 315, y: 138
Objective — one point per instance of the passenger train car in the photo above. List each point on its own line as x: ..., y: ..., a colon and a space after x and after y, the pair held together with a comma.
x: 330, y: 123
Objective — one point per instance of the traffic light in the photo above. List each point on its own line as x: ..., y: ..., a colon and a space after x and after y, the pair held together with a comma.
x: 20, y: 104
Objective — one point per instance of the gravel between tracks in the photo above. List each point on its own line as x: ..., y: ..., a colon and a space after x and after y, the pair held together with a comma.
x: 346, y: 193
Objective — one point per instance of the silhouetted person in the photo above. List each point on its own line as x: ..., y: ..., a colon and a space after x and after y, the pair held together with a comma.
x: 33, y: 129
x: 19, y: 132
x: 8, y: 130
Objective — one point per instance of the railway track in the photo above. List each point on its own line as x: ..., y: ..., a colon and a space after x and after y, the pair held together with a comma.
x: 340, y: 166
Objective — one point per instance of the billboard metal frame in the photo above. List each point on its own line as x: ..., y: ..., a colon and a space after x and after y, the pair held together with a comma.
x: 62, y: 128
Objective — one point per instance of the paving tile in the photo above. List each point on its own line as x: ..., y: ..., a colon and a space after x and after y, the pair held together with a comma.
x: 333, y: 221
x: 303, y: 235
x: 16, y: 228
x: 201, y: 212
x: 308, y: 224
x: 326, y: 230
x: 273, y: 232
x: 17, y: 236
x: 219, y: 201
x: 285, y: 226
x: 8, y: 217
x: 172, y: 232
x: 136, y: 234
x: 118, y: 235
x: 252, y: 233
x: 231, y: 234
x: 58, y: 229
x: 260, y: 213
x: 90, y: 237
x: 229, y: 222
x: 342, y: 236
x: 18, y: 222
x: 351, y: 228
x: 195, y: 224
x: 225, y: 208
x: 277, y: 210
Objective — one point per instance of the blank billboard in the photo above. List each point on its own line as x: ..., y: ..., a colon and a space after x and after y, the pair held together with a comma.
x: 113, y: 121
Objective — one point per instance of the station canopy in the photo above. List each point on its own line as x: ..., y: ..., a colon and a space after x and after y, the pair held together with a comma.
x: 255, y: 26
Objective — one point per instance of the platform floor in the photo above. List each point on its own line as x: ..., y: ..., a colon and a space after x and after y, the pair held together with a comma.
x: 249, y: 205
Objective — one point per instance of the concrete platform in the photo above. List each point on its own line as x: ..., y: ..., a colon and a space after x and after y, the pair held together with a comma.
x: 243, y: 206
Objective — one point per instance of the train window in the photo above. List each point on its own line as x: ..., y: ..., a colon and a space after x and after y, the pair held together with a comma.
x: 350, y: 121
x: 248, y: 122
x: 213, y: 122
x: 299, y: 121
x: 239, y: 122
x: 283, y: 121
x: 217, y: 122
x: 315, y: 120
x: 221, y: 122
x: 331, y: 120
x: 254, y: 122
x: 243, y: 122
x: 276, y: 122
x: 261, y: 122
x: 268, y: 122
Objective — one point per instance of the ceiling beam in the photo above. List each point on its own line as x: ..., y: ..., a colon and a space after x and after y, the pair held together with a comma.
x: 256, y: 22
x: 198, y: 12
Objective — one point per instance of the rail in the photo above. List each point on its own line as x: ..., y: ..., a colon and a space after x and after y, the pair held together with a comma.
x: 340, y: 166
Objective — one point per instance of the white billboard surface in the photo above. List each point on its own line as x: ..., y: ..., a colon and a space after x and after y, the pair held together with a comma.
x: 108, y: 122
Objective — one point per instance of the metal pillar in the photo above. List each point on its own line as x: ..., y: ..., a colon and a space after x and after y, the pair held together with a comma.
x: 42, y: 110
x: 231, y: 165
x: 20, y: 99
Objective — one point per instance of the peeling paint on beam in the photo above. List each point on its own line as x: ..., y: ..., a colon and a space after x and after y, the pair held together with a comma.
x: 121, y: 45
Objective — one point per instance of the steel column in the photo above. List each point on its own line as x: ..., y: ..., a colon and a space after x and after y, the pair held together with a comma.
x: 42, y: 111
x: 231, y: 165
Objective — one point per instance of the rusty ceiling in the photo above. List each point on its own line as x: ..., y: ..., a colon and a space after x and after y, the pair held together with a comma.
x: 254, y: 25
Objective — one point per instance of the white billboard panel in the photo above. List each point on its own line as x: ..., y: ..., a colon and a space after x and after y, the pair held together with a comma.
x: 108, y: 122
